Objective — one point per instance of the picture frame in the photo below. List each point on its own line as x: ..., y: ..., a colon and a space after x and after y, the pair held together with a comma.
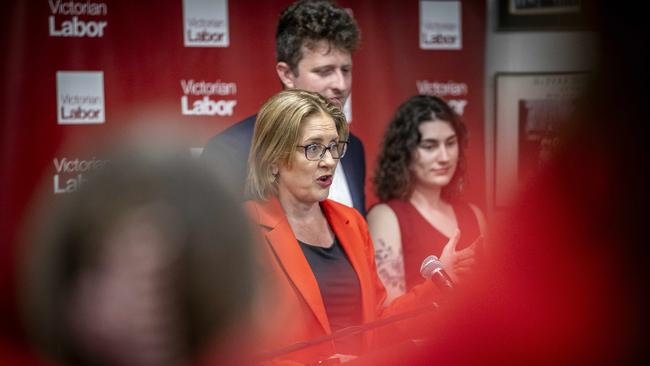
x: 531, y: 111
x: 542, y: 15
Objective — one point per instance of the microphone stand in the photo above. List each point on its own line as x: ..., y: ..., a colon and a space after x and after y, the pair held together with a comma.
x: 348, y: 331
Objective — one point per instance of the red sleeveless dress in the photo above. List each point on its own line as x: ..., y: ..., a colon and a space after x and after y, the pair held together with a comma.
x: 420, y: 239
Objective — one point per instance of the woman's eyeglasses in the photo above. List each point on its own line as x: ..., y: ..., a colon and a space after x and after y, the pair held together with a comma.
x: 316, y: 151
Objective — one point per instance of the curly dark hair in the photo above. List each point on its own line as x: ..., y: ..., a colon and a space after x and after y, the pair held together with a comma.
x: 393, y: 178
x: 306, y: 22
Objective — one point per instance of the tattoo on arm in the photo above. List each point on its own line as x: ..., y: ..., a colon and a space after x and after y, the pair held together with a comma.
x: 389, y: 265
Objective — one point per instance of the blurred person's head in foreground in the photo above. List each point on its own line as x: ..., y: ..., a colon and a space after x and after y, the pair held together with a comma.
x: 148, y: 263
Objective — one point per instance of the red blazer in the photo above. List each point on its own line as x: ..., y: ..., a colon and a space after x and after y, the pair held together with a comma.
x: 296, y: 289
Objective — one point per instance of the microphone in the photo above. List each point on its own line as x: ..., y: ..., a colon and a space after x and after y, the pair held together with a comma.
x: 432, y: 269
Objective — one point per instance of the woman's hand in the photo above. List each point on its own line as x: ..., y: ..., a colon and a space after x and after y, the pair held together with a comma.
x: 458, y: 263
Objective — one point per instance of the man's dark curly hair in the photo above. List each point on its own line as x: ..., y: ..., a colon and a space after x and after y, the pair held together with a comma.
x: 393, y: 178
x: 306, y: 22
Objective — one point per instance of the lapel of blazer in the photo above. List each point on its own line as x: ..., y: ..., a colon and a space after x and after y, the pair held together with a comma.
x: 351, y: 168
x: 353, y: 161
x: 282, y: 240
x: 353, y: 245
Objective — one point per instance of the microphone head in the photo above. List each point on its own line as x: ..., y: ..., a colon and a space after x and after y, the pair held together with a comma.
x: 429, y: 266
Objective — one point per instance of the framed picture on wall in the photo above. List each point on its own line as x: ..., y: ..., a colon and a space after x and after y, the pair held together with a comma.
x: 541, y: 15
x: 531, y: 111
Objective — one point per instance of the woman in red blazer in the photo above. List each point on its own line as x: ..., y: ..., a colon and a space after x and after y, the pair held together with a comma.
x: 319, y: 251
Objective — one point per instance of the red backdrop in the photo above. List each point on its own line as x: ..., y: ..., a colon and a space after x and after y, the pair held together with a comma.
x: 145, y: 64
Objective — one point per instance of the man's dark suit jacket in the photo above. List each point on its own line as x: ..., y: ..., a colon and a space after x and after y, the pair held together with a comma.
x: 228, y: 151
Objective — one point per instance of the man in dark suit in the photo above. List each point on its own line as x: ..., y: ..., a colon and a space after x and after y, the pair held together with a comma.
x: 314, y: 45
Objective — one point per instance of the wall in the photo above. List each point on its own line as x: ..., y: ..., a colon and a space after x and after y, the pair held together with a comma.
x: 530, y: 52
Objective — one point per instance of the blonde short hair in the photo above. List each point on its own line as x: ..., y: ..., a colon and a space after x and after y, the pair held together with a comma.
x: 277, y: 133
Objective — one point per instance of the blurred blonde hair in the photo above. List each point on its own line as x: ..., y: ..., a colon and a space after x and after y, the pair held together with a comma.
x: 195, y: 229
x: 277, y: 133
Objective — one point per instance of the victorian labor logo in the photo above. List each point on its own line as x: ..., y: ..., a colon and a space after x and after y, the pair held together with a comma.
x: 455, y: 93
x: 440, y: 25
x: 208, y: 98
x: 77, y: 19
x: 69, y: 172
x: 205, y: 23
x: 80, y: 97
